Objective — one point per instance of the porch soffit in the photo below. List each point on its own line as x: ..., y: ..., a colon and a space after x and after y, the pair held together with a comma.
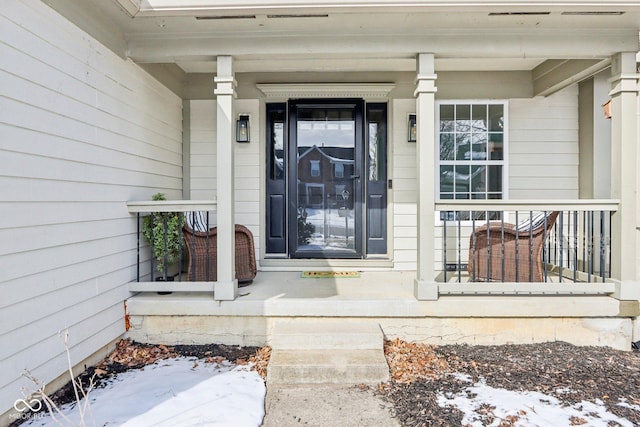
x: 168, y: 31
x: 326, y: 90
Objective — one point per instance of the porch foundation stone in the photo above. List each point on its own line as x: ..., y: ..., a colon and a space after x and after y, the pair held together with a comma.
x: 609, y: 332
x: 616, y: 333
x: 635, y: 336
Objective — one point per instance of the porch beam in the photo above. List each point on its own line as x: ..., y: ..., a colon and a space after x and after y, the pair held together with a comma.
x: 226, y: 288
x: 554, y: 75
x: 426, y: 287
x: 624, y: 175
x: 454, y: 43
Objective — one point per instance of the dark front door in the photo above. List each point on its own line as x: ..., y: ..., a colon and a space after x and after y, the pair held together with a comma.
x: 324, y: 179
x: 326, y: 182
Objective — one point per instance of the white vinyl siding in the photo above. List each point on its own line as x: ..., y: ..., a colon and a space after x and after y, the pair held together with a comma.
x: 247, y: 164
x: 543, y: 146
x: 203, y: 149
x: 404, y: 194
x: 82, y: 132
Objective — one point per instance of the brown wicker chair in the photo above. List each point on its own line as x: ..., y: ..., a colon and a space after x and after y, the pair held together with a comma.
x: 202, y: 248
x: 522, y: 252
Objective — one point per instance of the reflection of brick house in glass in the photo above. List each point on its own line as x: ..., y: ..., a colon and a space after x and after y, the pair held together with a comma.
x: 319, y: 189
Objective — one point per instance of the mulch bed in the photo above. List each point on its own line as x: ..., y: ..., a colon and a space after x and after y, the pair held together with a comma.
x: 569, y: 373
x: 419, y: 373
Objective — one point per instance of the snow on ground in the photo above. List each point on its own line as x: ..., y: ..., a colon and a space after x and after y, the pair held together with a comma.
x: 186, y: 392
x: 481, y: 402
x: 181, y: 392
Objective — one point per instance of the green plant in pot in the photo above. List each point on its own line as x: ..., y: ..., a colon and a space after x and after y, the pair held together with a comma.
x: 163, y: 231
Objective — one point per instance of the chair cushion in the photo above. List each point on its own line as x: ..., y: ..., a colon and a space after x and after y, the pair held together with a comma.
x: 197, y: 221
x: 532, y: 222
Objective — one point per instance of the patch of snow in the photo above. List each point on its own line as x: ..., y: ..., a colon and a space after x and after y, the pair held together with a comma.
x: 178, y: 392
x: 526, y: 409
x: 623, y: 402
x: 466, y: 378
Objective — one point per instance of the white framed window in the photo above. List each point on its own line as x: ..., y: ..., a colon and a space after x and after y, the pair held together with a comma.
x: 315, y: 167
x: 471, y: 152
x: 339, y: 170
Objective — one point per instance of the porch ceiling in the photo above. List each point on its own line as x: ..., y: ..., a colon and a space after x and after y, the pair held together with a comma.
x: 357, y: 35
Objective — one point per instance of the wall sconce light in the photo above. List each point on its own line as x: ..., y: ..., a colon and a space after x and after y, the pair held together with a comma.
x: 412, y: 132
x: 606, y: 107
x: 242, y: 128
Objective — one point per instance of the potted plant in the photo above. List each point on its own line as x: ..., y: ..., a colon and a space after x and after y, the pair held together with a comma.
x: 163, y: 231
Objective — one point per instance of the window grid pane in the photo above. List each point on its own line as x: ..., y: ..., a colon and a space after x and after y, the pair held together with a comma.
x: 471, y: 152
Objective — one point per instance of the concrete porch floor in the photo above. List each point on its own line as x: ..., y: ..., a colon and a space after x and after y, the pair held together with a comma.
x: 388, y: 298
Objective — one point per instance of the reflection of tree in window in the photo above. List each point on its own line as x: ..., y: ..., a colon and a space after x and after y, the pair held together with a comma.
x: 471, y: 151
x: 376, y: 121
x: 277, y: 148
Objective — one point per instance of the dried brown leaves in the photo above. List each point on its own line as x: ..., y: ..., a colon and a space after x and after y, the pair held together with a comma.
x: 409, y: 362
x: 132, y: 354
x: 260, y: 361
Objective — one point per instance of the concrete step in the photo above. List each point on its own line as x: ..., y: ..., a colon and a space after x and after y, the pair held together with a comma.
x: 327, y: 352
x: 329, y: 335
x: 327, y: 367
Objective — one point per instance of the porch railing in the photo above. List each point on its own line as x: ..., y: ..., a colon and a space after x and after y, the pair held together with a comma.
x: 524, y: 241
x: 161, y: 222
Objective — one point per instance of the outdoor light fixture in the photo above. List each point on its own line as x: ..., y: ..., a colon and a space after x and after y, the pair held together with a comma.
x: 412, y: 129
x: 606, y: 107
x: 242, y: 128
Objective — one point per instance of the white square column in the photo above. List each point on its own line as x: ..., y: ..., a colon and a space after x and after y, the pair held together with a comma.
x: 624, y: 175
x: 425, y: 287
x: 226, y: 287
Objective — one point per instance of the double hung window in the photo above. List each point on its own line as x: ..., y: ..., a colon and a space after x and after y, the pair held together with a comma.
x: 471, y: 153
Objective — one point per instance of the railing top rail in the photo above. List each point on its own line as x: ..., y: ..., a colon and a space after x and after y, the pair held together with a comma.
x: 529, y: 205
x: 171, y: 206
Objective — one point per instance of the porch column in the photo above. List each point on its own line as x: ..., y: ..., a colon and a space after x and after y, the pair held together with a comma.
x: 226, y: 287
x: 425, y: 287
x: 624, y: 175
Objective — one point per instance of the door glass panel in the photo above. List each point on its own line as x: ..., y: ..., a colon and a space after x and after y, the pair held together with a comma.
x: 275, y: 183
x: 376, y: 190
x: 326, y: 148
x: 377, y: 143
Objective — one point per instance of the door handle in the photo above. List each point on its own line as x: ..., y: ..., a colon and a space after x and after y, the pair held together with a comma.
x: 355, y: 176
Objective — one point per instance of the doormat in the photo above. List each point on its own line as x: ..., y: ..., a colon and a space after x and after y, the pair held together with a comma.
x: 329, y: 274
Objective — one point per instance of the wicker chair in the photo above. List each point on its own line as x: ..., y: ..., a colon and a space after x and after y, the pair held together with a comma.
x: 202, y: 248
x: 522, y: 252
